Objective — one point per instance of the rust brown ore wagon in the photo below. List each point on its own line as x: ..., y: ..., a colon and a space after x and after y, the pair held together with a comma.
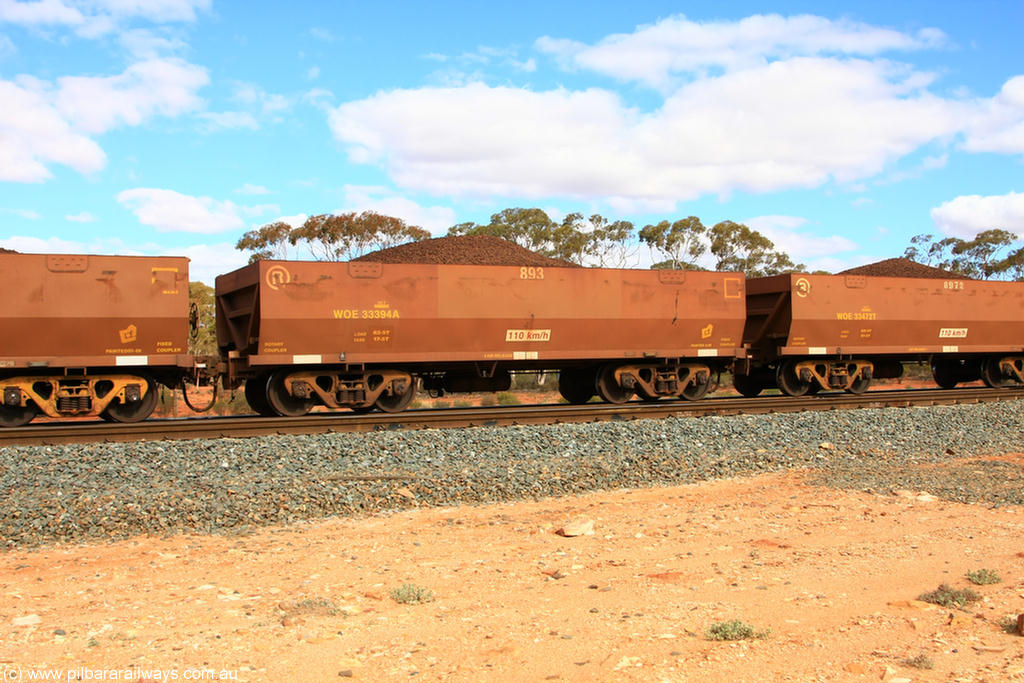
x: 90, y: 335
x: 807, y: 332
x: 360, y: 334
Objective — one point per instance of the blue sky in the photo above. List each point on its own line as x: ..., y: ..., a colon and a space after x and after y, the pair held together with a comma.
x: 173, y: 126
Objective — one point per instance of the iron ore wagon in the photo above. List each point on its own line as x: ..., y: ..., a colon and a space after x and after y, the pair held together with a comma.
x: 361, y: 334
x: 809, y: 332
x: 87, y: 335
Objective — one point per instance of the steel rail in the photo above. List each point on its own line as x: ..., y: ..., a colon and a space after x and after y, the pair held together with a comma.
x: 439, y: 418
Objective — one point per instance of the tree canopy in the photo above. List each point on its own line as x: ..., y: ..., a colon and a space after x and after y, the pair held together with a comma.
x: 331, y: 237
x: 683, y: 241
x: 740, y: 248
x: 588, y: 241
x: 990, y: 255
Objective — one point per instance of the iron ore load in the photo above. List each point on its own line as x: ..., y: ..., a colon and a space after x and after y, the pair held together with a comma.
x: 362, y: 334
x: 811, y: 332
x: 87, y: 335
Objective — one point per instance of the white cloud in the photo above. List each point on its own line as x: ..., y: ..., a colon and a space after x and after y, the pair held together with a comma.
x: 6, y: 46
x: 153, y: 87
x: 41, y: 13
x: 321, y: 33
x: 43, y: 124
x: 259, y: 209
x: 98, y: 17
x: 968, y: 215
x: 228, y: 120
x: 27, y: 214
x: 249, y: 188
x: 34, y: 134
x: 794, y: 123
x: 318, y: 96
x: 313, y: 73
x: 268, y: 103
x: 36, y: 245
x: 207, y: 261
x: 155, y: 10
x: 294, y: 220
x: 435, y: 219
x: 80, y: 217
x: 145, y: 44
x: 999, y: 127
x: 479, y: 140
x: 655, y: 54
x: 801, y: 245
x: 170, y: 211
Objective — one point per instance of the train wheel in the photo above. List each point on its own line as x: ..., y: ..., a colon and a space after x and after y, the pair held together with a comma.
x: 282, y: 402
x: 788, y: 382
x: 859, y: 385
x: 256, y: 395
x: 747, y: 385
x: 696, y: 391
x: 609, y: 388
x: 576, y: 386
x: 16, y: 416
x: 396, y: 403
x: 946, y: 374
x: 133, y: 411
x: 992, y: 373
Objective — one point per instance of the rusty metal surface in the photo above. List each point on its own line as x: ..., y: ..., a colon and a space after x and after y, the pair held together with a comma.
x: 61, y: 310
x: 320, y: 423
x: 802, y: 314
x: 286, y: 312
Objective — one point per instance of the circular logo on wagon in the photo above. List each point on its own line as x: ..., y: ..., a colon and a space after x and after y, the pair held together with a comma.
x: 277, y: 276
x: 803, y: 287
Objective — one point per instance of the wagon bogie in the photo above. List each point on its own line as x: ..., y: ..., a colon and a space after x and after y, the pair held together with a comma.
x: 1001, y: 371
x: 291, y: 393
x: 125, y: 397
x: 651, y: 382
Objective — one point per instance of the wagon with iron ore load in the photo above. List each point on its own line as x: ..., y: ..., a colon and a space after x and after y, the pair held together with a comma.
x: 363, y: 334
x: 87, y: 335
x: 810, y: 332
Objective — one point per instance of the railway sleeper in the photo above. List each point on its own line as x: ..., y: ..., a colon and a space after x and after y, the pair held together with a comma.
x: 78, y: 396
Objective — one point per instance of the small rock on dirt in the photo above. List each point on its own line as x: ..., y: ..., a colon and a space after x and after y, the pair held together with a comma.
x: 27, y: 620
x: 581, y: 526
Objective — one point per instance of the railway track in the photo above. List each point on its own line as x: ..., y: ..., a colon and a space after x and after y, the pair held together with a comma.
x: 319, y: 423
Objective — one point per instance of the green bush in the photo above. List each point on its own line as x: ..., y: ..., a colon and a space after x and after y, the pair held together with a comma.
x: 506, y: 398
x: 734, y: 630
x: 950, y: 597
x: 411, y: 594
x: 922, y: 661
x: 983, y: 577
